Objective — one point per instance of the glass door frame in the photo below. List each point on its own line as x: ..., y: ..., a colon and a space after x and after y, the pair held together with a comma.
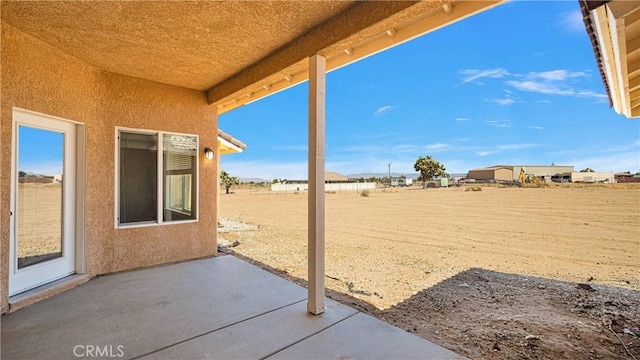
x: 72, y: 260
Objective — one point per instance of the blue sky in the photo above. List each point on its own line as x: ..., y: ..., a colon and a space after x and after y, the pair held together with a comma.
x: 40, y: 151
x: 517, y: 84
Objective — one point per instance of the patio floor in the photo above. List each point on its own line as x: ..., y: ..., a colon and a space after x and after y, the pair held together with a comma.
x: 210, y: 308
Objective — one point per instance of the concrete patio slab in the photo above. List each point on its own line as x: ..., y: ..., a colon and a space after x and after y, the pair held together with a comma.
x: 146, y: 310
x: 364, y: 337
x: 215, y: 308
x: 259, y: 337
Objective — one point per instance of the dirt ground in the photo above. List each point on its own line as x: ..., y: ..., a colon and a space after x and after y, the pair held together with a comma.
x: 39, y: 219
x: 489, y: 274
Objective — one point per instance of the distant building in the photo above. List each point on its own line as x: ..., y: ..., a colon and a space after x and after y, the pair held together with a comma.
x: 627, y: 178
x: 545, y: 171
x: 511, y: 172
x: 590, y: 177
x: 334, y: 177
x: 332, y: 180
x: 500, y: 173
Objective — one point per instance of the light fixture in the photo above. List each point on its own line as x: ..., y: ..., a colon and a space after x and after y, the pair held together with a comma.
x: 208, y: 153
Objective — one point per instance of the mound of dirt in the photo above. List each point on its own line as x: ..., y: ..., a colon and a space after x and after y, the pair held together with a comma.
x: 485, y: 314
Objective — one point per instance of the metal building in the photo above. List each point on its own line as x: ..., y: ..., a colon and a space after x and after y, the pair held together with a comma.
x: 501, y: 173
x: 511, y: 172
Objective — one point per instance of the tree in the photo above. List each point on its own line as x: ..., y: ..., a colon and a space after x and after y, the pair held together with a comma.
x: 228, y: 181
x: 587, y: 170
x: 429, y: 169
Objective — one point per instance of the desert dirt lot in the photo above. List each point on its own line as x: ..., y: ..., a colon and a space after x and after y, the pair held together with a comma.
x: 40, y: 219
x: 489, y: 274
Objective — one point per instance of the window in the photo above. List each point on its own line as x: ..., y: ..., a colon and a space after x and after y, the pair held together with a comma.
x: 156, y: 168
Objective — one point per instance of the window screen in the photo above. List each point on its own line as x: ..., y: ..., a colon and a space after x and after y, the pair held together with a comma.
x: 138, y: 177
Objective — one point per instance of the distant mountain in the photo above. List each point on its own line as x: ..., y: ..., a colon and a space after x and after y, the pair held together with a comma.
x: 255, y: 180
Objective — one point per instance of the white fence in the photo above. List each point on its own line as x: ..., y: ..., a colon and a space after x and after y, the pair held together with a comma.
x: 337, y: 187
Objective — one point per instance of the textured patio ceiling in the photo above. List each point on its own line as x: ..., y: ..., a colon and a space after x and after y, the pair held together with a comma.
x: 237, y: 51
x: 614, y: 29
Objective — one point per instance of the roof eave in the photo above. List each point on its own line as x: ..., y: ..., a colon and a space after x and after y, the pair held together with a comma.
x: 396, y: 26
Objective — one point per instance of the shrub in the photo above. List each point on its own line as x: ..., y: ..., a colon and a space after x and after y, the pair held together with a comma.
x: 364, y: 193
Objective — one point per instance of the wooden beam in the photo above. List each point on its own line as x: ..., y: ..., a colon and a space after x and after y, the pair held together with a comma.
x: 221, y: 96
x: 633, y: 45
x: 634, y: 95
x: 621, y: 9
x: 315, y: 217
x: 633, y: 66
x: 634, y: 83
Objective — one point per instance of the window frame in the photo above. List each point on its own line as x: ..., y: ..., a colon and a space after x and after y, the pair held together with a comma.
x: 159, y: 181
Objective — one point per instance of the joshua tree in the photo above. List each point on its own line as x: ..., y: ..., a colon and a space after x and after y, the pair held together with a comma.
x: 429, y: 169
x: 228, y: 180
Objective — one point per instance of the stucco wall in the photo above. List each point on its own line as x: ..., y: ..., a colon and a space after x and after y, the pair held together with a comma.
x: 40, y: 78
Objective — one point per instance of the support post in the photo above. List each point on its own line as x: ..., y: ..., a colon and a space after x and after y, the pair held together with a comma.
x: 317, y: 67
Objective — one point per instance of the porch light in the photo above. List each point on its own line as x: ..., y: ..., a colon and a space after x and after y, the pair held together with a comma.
x: 208, y: 153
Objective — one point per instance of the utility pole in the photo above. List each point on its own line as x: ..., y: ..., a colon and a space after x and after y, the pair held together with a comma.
x: 389, y: 173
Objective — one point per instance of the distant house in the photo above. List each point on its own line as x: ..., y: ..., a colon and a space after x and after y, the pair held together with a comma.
x: 627, y: 178
x: 334, y: 177
x: 333, y: 182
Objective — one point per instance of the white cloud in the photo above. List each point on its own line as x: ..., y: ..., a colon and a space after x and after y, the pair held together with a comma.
x: 537, y: 127
x: 499, y: 123
x: 462, y: 119
x: 504, y: 101
x: 485, y: 153
x: 436, y: 147
x: 547, y: 88
x: 383, y: 110
x: 572, y: 21
x: 552, y: 82
x: 554, y: 88
x: 592, y: 94
x: 474, y: 74
x: 556, y: 75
